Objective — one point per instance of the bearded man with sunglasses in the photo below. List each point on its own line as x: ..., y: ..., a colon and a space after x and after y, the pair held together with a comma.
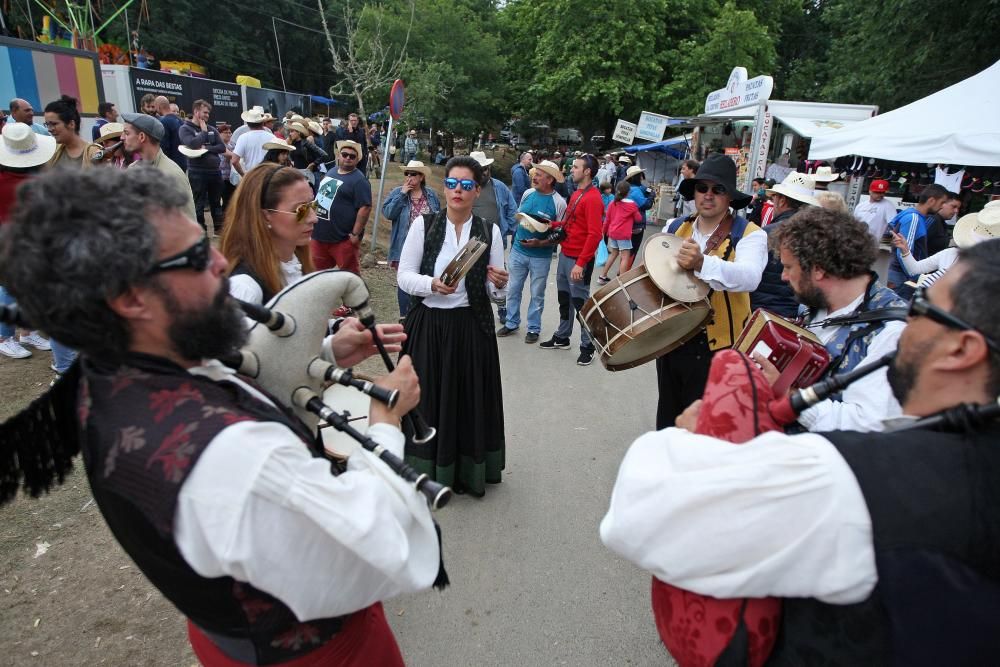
x: 884, y: 546
x: 730, y: 254
x: 219, y: 495
x: 344, y: 200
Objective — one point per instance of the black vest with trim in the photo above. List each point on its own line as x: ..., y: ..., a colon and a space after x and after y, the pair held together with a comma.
x: 242, y: 269
x: 773, y: 294
x: 934, y: 502
x: 475, y: 279
x: 144, y: 425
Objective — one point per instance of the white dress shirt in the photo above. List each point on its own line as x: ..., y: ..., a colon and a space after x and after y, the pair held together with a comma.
x: 780, y: 515
x: 245, y: 288
x: 259, y: 508
x: 741, y: 275
x: 865, y: 403
x: 411, y: 281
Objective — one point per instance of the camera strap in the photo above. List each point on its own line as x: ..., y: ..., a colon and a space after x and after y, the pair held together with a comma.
x: 569, y: 212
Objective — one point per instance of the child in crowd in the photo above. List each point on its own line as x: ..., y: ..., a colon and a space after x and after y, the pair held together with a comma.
x: 618, y: 219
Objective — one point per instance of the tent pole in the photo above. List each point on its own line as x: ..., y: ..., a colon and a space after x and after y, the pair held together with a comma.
x: 381, y: 185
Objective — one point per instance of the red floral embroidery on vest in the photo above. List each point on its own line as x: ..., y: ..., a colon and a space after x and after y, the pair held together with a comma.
x: 164, y: 402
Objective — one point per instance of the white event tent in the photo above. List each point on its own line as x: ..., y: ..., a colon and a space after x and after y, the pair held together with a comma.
x: 957, y: 125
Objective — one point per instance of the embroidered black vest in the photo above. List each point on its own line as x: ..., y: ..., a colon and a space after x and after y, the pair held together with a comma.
x: 475, y: 279
x: 144, y: 426
x: 934, y: 502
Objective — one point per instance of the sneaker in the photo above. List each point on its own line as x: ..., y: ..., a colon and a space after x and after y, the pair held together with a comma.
x: 531, y: 337
x: 504, y: 331
x: 586, y: 358
x: 13, y: 349
x: 35, y: 340
x: 555, y: 343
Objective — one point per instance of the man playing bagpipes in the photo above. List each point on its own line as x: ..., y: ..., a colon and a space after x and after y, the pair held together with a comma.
x: 221, y: 496
x: 883, y: 547
x: 826, y: 258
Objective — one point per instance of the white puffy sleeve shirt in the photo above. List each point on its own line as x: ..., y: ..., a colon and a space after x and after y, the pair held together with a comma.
x: 411, y: 281
x: 744, y: 272
x: 260, y: 508
x: 780, y: 515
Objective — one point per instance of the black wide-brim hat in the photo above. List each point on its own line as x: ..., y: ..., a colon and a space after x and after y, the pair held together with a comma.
x: 718, y: 169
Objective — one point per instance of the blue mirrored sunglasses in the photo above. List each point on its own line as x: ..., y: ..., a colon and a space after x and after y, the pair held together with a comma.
x: 467, y: 183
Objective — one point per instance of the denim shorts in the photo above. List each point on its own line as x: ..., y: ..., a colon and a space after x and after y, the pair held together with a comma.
x: 623, y: 244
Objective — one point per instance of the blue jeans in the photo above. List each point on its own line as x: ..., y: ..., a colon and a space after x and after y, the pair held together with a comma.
x: 522, y: 266
x: 572, y: 295
x: 62, y: 356
x: 6, y: 330
x: 404, y: 302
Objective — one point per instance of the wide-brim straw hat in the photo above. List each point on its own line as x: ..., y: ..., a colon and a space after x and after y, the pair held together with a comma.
x: 975, y: 227
x: 552, y: 170
x: 824, y: 175
x: 315, y: 128
x: 111, y: 131
x: 22, y: 148
x: 625, y: 158
x: 277, y: 144
x: 532, y: 223
x: 253, y: 115
x: 717, y: 169
x: 632, y: 171
x: 298, y: 127
x: 797, y: 186
x: 353, y: 145
x: 418, y: 166
x: 192, y: 152
x: 481, y: 158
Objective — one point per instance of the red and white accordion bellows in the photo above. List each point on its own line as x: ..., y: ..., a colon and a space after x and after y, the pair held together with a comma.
x: 794, y: 351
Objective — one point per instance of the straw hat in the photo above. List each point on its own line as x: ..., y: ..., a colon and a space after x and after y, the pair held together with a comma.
x: 315, y: 128
x: 22, y: 148
x: 481, y: 158
x: 192, y: 152
x: 625, y: 159
x: 347, y: 143
x: 824, y: 175
x: 299, y: 127
x: 253, y: 115
x: 111, y: 131
x: 970, y: 228
x: 531, y: 223
x: 268, y: 117
x: 277, y: 144
x: 418, y: 166
x: 632, y: 171
x: 551, y: 169
x: 797, y: 186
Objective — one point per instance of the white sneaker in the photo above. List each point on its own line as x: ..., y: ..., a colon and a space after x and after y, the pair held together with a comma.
x: 36, y: 340
x: 13, y: 349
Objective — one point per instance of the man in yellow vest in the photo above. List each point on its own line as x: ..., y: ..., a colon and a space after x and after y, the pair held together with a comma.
x: 728, y: 253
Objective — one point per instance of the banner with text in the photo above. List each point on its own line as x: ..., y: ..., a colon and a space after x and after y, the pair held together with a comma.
x: 624, y: 132
x: 652, y: 126
x: 225, y: 98
x: 739, y: 92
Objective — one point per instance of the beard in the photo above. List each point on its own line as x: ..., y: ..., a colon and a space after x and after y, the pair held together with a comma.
x: 212, y: 332
x: 902, y: 374
x: 811, y: 296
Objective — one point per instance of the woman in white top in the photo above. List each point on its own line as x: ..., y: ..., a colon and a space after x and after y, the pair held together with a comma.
x: 450, y: 337
x: 268, y: 226
x: 969, y: 230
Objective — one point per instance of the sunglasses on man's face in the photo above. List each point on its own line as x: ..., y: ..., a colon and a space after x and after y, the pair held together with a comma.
x: 349, y: 156
x: 920, y: 306
x: 467, y: 183
x: 301, y: 212
x: 197, y: 257
x: 714, y: 187
x: 411, y: 173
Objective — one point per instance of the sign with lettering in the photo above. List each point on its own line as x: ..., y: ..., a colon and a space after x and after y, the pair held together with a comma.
x: 624, y: 132
x: 225, y: 98
x: 739, y: 92
x: 652, y: 126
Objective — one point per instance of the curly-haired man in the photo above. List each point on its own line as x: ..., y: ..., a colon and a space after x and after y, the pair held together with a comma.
x: 826, y: 258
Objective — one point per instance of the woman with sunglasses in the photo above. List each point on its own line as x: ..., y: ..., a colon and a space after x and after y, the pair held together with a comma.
x: 267, y: 231
x: 451, y: 340
x: 405, y: 203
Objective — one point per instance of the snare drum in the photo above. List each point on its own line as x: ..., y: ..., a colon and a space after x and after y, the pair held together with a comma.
x: 337, y: 444
x: 631, y: 321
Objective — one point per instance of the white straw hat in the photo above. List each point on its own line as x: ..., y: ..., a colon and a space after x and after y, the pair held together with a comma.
x: 975, y: 227
x: 799, y: 187
x: 22, y: 148
x: 481, y: 158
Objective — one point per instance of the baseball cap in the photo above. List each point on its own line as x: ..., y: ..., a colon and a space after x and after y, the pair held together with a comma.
x: 145, y: 123
x: 879, y: 186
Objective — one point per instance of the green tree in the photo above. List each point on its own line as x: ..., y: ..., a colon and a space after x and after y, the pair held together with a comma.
x: 702, y: 63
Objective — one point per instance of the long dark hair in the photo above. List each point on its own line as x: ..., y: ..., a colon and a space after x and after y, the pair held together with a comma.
x: 622, y: 190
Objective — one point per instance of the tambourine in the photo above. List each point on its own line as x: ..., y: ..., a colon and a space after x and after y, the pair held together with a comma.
x: 463, y: 262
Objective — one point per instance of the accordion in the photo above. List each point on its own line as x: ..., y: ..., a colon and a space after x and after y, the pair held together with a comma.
x: 796, y: 352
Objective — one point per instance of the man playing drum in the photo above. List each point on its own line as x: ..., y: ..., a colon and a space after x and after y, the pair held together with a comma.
x: 729, y: 254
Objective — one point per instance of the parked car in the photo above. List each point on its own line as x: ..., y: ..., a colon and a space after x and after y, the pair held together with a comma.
x: 569, y: 135
x: 599, y: 142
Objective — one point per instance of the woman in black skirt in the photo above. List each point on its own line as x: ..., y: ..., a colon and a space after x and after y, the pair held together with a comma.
x: 451, y: 339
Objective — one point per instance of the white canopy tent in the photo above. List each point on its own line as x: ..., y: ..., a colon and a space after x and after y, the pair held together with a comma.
x: 957, y: 125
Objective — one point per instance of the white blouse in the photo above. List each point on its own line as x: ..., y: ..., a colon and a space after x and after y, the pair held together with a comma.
x: 245, y: 288
x: 411, y: 281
